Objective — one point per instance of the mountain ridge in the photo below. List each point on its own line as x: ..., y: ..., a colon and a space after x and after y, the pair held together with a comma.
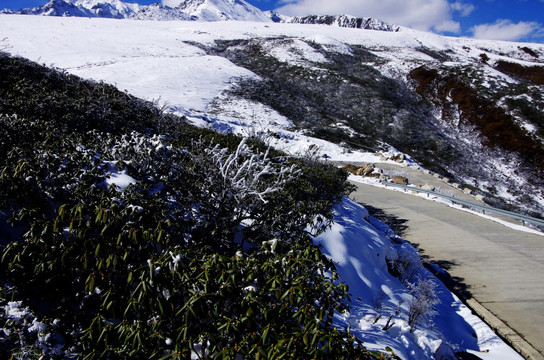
x: 200, y: 10
x: 346, y: 21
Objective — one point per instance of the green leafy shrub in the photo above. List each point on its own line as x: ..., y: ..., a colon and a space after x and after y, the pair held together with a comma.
x: 204, y: 249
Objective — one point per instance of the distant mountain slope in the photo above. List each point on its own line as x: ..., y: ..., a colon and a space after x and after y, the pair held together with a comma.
x: 111, y: 8
x: 115, y: 9
x: 477, y: 122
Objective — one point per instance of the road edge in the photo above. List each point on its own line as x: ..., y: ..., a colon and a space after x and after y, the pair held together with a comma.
x: 507, y: 333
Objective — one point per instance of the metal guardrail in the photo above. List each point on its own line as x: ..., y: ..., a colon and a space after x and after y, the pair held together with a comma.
x: 470, y: 204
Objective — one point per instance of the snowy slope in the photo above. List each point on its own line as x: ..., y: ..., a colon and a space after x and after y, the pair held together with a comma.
x: 359, y: 245
x: 78, y: 45
x: 164, y: 61
x: 156, y: 61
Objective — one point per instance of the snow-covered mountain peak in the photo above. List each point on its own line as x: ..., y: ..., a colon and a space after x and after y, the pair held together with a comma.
x: 58, y: 8
x: 201, y: 10
x: 109, y: 8
x: 115, y: 3
x: 217, y: 10
x: 346, y: 21
x: 84, y: 8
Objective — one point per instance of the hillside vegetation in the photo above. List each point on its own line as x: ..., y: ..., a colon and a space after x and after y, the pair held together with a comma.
x: 128, y: 233
x: 477, y: 122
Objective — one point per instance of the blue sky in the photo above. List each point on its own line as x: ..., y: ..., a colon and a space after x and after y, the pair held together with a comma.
x: 516, y: 20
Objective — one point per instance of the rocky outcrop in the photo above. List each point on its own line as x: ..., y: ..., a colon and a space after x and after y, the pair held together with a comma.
x: 352, y: 169
x: 401, y: 180
x: 365, y: 170
x: 159, y: 12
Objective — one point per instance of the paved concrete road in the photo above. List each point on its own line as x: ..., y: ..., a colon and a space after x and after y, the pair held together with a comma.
x: 492, y: 265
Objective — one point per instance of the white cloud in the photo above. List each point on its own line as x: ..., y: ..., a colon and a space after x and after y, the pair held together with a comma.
x: 426, y: 15
x: 504, y: 29
x: 463, y: 9
x: 448, y: 26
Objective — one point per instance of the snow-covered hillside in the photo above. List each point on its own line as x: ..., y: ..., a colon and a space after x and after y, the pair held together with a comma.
x: 171, y: 63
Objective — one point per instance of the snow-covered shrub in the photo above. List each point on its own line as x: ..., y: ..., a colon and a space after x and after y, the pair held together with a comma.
x: 24, y: 336
x: 377, y: 301
x: 76, y: 105
x: 404, y: 263
x: 423, y: 301
x: 236, y: 187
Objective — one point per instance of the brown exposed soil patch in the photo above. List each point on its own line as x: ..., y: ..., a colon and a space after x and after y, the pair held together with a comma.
x: 497, y: 129
x: 534, y: 74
